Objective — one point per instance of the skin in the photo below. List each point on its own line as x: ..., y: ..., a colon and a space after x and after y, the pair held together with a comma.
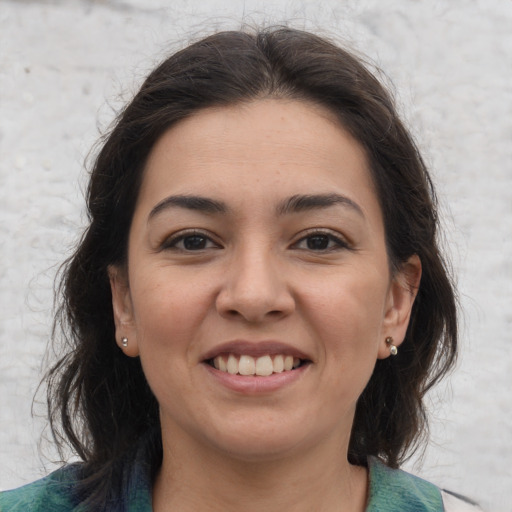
x: 248, y: 268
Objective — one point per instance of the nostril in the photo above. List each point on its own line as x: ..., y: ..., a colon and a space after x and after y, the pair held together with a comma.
x: 274, y: 313
x: 253, y: 303
x: 254, y: 316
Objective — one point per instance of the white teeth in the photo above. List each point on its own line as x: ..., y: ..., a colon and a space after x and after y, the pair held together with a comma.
x: 232, y: 366
x: 223, y: 367
x: 262, y: 366
x: 288, y: 363
x: 278, y: 364
x: 246, y: 365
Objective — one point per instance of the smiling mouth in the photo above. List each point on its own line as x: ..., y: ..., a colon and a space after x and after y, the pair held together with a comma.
x: 262, y: 366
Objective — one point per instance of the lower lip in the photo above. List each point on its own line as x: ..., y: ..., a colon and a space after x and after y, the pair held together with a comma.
x: 254, y: 384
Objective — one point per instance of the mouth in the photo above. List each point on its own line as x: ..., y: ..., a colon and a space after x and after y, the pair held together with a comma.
x: 262, y: 366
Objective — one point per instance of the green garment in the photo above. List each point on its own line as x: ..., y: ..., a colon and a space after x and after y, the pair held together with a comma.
x: 390, y: 490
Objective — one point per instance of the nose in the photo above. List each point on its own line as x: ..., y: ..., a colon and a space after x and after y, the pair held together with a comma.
x: 255, y: 289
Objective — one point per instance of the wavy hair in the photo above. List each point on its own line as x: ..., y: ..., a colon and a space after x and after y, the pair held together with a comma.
x: 98, y: 399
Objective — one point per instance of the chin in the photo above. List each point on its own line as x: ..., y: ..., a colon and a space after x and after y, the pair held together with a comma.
x: 261, y: 450
x: 257, y: 441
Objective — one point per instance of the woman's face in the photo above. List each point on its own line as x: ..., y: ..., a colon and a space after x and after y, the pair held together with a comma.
x: 257, y: 245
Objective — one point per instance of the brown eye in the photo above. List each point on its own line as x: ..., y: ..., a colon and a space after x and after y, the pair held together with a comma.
x: 317, y: 242
x: 194, y: 242
x: 190, y: 242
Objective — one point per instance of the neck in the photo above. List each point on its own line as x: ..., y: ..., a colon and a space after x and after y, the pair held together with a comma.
x: 193, y: 478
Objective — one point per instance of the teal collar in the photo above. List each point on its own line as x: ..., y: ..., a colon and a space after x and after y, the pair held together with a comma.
x: 394, y: 490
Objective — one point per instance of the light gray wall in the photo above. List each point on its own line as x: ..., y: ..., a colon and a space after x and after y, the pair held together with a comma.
x: 65, y: 64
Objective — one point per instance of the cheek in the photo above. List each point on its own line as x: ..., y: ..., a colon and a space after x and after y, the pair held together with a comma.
x: 167, y: 324
x: 347, y: 313
x: 168, y: 312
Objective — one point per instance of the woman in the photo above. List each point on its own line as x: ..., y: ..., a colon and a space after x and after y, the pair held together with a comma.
x: 258, y: 305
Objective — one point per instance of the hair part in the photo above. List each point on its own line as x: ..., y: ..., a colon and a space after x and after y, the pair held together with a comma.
x: 98, y: 399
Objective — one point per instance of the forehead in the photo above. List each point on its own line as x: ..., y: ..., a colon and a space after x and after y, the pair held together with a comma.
x: 262, y: 145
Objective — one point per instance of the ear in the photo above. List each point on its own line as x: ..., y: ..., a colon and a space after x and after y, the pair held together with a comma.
x: 123, y: 310
x: 402, y: 292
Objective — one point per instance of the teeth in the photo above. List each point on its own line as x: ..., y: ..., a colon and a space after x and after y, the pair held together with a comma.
x: 262, y: 366
x: 223, y: 367
x: 278, y: 364
x: 246, y: 365
x: 232, y: 366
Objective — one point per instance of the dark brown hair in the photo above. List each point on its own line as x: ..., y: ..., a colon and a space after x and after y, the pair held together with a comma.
x: 99, y: 400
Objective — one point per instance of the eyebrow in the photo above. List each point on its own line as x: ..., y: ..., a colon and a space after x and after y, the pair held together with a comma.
x: 301, y: 203
x: 294, y: 204
x: 197, y: 203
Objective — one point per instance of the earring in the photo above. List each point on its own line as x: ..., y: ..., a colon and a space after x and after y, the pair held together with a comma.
x: 392, y: 349
x: 124, y: 341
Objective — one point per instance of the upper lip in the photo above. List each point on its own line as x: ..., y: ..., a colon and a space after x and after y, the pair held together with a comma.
x: 254, y: 349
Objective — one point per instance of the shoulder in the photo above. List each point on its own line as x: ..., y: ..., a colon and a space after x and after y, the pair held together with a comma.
x: 123, y: 485
x: 394, y: 489
x: 53, y: 493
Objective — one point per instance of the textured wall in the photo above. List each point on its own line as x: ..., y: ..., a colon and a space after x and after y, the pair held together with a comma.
x: 65, y: 65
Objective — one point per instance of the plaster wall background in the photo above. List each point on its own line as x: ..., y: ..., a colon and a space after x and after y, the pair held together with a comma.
x: 65, y: 66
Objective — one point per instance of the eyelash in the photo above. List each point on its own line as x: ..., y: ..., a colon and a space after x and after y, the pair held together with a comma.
x: 339, y: 242
x: 173, y: 241
x: 334, y: 242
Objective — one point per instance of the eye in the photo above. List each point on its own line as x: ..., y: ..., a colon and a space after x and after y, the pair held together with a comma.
x: 319, y: 241
x: 190, y: 242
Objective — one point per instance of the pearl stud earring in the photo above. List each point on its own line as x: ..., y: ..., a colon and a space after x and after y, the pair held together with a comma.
x: 392, y: 349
